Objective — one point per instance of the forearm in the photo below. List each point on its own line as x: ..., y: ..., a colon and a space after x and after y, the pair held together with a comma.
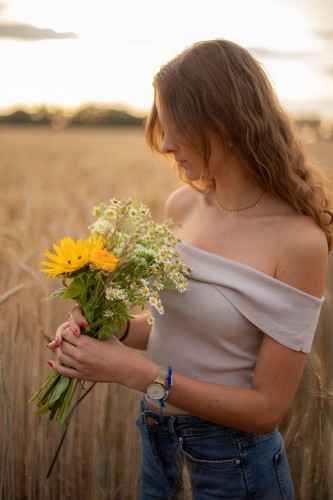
x: 138, y: 333
x: 258, y: 408
x: 231, y: 406
x: 241, y: 408
x: 246, y: 409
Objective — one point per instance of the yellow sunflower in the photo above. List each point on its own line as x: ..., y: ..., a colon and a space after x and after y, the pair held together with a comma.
x: 70, y: 255
x: 103, y: 260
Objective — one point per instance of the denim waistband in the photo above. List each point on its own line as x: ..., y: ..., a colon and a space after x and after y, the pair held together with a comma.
x: 189, y: 425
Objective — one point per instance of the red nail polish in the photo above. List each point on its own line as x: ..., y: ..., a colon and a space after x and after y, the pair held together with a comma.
x: 83, y: 324
x: 76, y: 332
x: 50, y: 363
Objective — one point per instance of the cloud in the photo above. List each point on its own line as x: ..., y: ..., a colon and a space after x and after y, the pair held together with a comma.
x: 31, y: 33
x: 318, y: 61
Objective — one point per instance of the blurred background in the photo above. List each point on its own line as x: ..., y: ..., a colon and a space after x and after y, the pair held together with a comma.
x: 75, y: 88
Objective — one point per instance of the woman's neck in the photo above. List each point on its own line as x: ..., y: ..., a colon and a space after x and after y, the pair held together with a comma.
x: 234, y: 190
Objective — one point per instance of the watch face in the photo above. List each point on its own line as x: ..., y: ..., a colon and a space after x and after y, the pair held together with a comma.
x: 155, y: 391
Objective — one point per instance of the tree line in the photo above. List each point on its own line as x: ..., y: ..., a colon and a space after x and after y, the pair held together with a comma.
x: 94, y: 116
x: 87, y: 117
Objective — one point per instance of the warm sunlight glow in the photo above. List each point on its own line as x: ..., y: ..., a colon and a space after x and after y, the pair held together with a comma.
x: 99, y: 53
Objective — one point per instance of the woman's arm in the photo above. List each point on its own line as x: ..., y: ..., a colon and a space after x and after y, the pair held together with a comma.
x: 256, y: 409
x: 138, y: 333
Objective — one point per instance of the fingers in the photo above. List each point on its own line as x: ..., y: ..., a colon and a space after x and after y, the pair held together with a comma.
x: 65, y: 358
x: 78, y: 317
x: 64, y: 370
x: 58, y: 336
x: 71, y: 356
x: 85, y: 358
x: 68, y: 353
x: 77, y: 320
x: 69, y: 338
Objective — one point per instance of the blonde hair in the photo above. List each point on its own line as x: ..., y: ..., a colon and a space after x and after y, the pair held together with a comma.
x: 218, y: 85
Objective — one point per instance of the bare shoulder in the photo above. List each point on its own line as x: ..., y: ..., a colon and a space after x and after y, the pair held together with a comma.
x: 303, y: 255
x: 179, y: 203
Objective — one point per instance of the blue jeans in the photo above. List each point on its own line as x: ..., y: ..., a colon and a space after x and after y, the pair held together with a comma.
x: 187, y: 457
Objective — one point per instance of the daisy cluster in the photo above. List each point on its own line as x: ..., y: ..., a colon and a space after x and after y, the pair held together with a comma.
x: 148, y: 260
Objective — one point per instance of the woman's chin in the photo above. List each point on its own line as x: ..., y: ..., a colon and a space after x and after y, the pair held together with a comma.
x: 192, y: 176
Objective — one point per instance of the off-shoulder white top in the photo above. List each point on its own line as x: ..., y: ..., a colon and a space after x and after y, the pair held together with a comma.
x: 213, y: 331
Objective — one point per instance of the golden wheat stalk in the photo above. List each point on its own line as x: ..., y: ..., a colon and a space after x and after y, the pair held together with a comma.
x: 10, y: 293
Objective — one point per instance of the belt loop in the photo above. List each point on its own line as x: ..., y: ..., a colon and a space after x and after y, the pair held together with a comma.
x: 172, y: 421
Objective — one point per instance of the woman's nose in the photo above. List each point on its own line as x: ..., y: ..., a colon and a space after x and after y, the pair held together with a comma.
x: 167, y: 145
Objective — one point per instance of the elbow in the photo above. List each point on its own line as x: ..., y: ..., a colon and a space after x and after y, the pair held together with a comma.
x: 268, y: 412
x: 267, y: 416
x: 268, y: 421
x: 267, y: 427
x: 263, y: 427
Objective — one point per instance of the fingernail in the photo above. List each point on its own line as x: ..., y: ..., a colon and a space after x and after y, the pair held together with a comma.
x: 48, y: 345
x: 50, y: 363
x: 83, y: 324
x: 76, y: 332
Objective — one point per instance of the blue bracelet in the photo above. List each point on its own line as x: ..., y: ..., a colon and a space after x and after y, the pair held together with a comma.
x: 168, y: 389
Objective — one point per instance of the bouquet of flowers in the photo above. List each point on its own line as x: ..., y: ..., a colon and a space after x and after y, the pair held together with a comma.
x: 123, y: 264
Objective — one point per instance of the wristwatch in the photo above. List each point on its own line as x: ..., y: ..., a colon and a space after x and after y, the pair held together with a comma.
x: 157, y: 389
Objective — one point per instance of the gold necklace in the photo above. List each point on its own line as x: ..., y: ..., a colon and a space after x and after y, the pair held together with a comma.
x: 239, y: 210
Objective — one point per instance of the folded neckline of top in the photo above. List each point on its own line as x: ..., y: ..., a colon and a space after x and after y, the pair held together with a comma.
x: 247, y: 268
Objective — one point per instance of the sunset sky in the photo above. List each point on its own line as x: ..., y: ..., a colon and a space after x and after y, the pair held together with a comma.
x: 73, y: 52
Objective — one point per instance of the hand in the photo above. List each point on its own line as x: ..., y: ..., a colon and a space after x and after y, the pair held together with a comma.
x: 91, y: 359
x: 76, y: 320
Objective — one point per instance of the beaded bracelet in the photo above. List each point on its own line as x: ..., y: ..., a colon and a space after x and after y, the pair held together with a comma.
x: 123, y: 337
x: 168, y: 389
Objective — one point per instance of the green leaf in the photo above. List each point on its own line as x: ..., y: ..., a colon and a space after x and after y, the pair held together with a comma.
x: 50, y: 381
x: 60, y: 389
x: 57, y: 293
x: 106, y: 331
x: 44, y: 409
x: 76, y: 288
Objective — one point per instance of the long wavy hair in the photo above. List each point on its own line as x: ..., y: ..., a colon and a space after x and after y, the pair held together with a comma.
x: 218, y: 85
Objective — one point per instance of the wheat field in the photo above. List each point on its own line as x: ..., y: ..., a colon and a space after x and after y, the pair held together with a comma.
x: 50, y: 180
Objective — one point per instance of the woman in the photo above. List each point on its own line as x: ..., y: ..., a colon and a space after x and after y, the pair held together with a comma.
x: 254, y: 218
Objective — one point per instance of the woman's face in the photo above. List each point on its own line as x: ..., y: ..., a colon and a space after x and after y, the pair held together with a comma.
x: 186, y: 157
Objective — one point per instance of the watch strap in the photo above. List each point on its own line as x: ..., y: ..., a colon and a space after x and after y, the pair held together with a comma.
x: 161, y: 376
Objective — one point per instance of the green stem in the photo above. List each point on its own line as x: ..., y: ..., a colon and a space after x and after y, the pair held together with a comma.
x: 66, y: 401
x: 53, y: 375
x: 57, y: 452
x: 66, y: 424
